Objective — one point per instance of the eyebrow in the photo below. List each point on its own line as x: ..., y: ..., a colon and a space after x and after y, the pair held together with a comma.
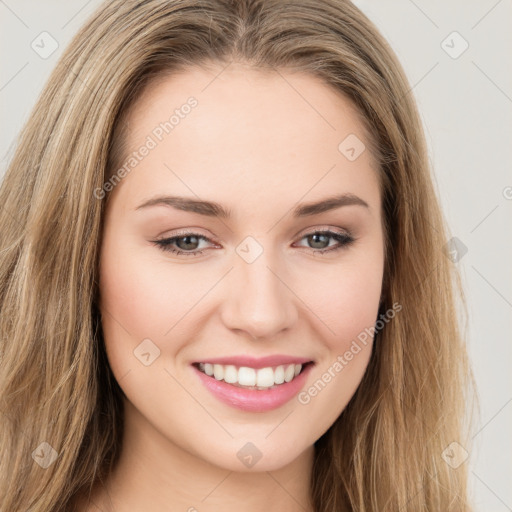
x: 213, y: 209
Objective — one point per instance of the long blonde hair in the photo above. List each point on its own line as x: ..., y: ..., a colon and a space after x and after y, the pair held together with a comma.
x: 384, y: 452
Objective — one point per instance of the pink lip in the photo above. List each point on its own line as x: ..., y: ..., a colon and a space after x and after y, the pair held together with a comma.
x: 253, y: 400
x: 254, y: 362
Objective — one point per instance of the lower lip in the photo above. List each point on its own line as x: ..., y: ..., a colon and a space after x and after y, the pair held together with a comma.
x: 253, y: 400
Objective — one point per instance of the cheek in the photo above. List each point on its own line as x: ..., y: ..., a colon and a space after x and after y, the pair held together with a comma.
x: 138, y: 297
x: 132, y: 301
x: 346, y: 296
x: 346, y: 299
x: 146, y: 299
x: 349, y: 309
x: 353, y: 306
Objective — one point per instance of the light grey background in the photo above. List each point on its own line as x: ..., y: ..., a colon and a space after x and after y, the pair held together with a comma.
x: 466, y: 106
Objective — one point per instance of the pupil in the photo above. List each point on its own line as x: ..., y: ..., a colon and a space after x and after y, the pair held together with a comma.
x: 314, y: 239
x: 187, y: 243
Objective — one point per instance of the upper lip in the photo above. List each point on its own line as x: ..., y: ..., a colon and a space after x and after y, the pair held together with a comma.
x: 257, y: 362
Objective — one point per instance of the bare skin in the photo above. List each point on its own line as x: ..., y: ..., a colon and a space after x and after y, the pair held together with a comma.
x: 258, y: 147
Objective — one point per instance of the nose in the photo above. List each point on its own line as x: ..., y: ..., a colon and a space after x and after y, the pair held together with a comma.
x: 259, y: 303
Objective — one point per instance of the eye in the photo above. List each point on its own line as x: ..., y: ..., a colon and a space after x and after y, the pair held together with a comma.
x: 319, y: 239
x: 187, y: 244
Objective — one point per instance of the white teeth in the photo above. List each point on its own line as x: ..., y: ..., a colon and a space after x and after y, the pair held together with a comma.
x: 230, y: 374
x: 218, y: 371
x: 289, y: 373
x: 279, y: 375
x: 262, y: 378
x: 265, y: 377
x: 247, y: 376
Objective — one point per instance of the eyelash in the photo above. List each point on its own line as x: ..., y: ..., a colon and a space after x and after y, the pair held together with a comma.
x: 343, y: 240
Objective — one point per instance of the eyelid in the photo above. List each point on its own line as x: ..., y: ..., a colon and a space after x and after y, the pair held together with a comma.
x: 189, y: 232
x: 337, y: 230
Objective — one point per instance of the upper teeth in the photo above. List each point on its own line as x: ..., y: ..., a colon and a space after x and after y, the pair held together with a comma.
x: 245, y: 376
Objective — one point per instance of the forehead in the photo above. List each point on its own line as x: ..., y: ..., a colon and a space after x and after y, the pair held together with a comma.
x: 278, y: 133
x: 243, y: 97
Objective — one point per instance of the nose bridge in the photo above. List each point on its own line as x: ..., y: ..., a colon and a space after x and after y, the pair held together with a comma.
x: 258, y: 300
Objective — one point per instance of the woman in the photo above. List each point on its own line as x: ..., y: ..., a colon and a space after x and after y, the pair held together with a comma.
x: 222, y: 273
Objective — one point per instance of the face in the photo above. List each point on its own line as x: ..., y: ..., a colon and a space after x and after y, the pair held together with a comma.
x: 212, y: 252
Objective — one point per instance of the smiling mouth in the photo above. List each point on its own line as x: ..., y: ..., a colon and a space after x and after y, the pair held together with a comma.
x: 252, y: 378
